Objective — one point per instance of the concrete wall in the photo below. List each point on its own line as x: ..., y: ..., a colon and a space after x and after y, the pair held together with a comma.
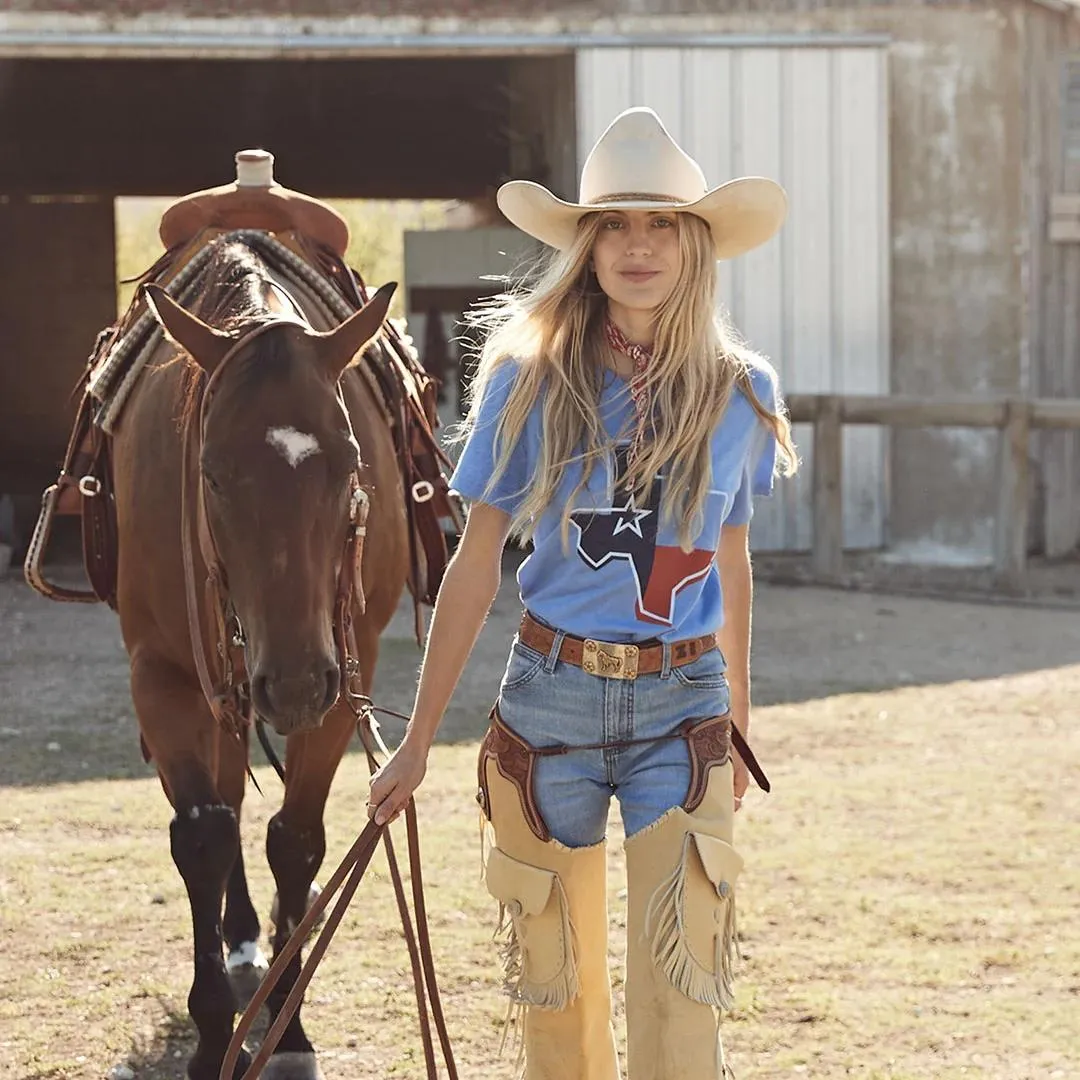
x: 958, y: 303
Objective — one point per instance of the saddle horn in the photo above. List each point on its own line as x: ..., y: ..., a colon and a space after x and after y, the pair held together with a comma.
x: 205, y: 345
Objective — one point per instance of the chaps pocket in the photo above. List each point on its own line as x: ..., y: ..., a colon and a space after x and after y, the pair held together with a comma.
x: 539, y: 965
x: 691, y: 921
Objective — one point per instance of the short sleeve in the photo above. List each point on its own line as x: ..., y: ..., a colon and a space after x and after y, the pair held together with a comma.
x: 473, y: 475
x: 760, y: 466
x: 742, y: 506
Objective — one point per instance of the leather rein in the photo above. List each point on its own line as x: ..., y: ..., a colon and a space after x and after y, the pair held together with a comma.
x: 227, y: 694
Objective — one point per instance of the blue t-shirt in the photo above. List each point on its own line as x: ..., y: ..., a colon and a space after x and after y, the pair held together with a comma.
x: 624, y: 576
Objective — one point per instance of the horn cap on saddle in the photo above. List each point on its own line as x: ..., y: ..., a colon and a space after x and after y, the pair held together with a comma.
x: 253, y: 201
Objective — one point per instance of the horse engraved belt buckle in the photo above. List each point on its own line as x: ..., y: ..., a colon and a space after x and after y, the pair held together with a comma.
x: 610, y: 660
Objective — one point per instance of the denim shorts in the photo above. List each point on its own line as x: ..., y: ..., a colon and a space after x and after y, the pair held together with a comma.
x: 549, y: 702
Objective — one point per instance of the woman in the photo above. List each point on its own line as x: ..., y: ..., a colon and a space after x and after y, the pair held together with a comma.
x: 616, y: 423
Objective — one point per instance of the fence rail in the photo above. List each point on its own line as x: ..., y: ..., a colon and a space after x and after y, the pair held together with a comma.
x: 1014, y: 418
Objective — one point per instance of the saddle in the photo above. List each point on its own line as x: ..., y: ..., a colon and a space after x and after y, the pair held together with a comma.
x: 304, y: 240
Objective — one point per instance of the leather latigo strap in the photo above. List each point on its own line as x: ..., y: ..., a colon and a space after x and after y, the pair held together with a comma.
x: 516, y: 760
x: 650, y: 658
x: 709, y: 743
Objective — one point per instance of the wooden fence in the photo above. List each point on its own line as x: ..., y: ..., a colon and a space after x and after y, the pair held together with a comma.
x: 1014, y: 418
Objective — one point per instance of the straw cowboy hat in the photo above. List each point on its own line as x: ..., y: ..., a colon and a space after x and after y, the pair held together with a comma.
x: 637, y: 165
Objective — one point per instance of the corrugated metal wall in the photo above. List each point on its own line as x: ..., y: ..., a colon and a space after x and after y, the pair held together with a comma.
x: 816, y: 298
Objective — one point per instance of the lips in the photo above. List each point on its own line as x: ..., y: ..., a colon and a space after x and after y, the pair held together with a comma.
x: 638, y: 276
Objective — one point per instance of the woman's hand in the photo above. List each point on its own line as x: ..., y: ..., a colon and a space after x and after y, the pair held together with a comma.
x: 392, y: 786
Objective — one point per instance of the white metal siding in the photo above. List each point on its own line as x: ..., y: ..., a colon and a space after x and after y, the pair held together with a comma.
x: 814, y: 299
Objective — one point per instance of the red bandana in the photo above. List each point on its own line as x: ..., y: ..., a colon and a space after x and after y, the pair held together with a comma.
x: 642, y: 357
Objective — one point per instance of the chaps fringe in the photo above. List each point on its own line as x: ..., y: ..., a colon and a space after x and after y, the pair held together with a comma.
x: 665, y: 925
x: 555, y: 993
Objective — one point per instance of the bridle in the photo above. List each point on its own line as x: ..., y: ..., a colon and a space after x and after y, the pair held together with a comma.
x: 227, y: 692
x: 229, y: 698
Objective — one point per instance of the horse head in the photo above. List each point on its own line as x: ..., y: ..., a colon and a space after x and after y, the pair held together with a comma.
x: 276, y: 467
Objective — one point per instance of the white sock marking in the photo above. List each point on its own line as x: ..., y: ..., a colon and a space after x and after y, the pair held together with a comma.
x: 246, y: 954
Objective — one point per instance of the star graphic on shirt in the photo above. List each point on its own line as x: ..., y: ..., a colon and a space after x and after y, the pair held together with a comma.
x: 631, y: 522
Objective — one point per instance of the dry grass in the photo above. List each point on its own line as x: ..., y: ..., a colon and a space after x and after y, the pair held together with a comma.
x: 909, y: 909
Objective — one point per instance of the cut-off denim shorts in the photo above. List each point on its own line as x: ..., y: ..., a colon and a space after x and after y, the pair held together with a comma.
x: 549, y: 702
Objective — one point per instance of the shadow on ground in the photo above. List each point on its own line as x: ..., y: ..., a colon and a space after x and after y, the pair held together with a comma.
x: 66, y: 715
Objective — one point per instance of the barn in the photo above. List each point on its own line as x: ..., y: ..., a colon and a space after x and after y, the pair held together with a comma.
x: 929, y: 150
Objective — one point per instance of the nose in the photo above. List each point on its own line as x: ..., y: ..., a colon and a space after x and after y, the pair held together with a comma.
x: 638, y: 240
x: 292, y: 699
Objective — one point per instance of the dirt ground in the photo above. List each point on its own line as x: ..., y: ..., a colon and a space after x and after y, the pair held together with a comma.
x: 913, y: 882
x: 63, y: 664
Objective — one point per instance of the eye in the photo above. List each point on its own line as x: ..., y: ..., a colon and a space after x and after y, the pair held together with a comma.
x: 663, y: 223
x: 211, y: 482
x: 611, y: 223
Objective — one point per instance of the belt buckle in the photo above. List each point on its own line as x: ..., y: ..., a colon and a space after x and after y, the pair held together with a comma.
x: 610, y: 660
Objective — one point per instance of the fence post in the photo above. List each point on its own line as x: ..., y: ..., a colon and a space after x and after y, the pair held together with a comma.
x: 1010, y: 560
x: 828, y: 488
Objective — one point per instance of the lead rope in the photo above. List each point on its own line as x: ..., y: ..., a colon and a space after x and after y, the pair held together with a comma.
x: 352, y: 867
x: 366, y: 722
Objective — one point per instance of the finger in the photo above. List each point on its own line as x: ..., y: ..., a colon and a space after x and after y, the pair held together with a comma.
x: 379, y: 798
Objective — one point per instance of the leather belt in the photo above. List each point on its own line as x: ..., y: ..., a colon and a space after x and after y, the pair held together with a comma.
x: 613, y: 660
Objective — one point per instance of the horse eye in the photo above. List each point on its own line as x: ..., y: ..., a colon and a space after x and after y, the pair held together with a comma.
x: 211, y: 482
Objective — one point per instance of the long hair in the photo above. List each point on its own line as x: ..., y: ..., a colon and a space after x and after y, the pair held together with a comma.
x: 555, y: 329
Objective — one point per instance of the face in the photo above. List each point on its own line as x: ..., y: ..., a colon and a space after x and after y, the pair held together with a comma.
x: 637, y: 257
x: 277, y: 460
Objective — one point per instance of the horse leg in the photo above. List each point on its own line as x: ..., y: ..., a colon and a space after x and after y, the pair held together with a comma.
x: 245, y: 962
x: 295, y: 846
x: 182, y: 737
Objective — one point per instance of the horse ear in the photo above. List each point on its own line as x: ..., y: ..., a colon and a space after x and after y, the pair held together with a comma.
x: 340, y: 345
x: 205, y: 345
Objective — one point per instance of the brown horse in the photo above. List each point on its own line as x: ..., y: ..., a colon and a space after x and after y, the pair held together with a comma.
x: 276, y: 437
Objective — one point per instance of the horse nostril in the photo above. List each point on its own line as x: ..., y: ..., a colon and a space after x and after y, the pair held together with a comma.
x: 260, y: 696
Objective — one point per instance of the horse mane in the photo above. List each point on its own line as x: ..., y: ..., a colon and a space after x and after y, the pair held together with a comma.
x: 235, y: 279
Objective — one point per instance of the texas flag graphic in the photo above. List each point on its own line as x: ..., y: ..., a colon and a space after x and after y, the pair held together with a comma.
x: 627, y: 531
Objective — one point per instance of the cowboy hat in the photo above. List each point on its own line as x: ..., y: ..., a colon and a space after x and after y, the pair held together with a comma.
x: 637, y: 165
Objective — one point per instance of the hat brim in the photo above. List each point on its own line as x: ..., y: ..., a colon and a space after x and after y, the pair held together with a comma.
x: 742, y: 214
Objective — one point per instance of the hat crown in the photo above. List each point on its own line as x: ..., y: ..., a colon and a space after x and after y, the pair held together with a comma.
x: 637, y: 157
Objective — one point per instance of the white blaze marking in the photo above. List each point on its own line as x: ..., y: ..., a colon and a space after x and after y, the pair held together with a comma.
x: 293, y: 445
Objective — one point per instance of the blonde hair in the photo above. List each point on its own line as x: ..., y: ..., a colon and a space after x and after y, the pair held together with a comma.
x: 555, y: 330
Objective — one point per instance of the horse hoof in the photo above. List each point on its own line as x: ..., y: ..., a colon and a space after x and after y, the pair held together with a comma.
x: 199, y: 1069
x: 313, y: 894
x: 246, y: 965
x: 293, y: 1066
